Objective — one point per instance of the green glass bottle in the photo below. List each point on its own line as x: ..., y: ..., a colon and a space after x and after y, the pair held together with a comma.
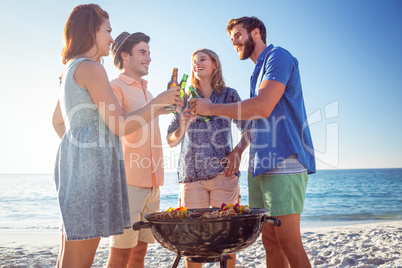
x: 194, y: 94
x: 183, y: 85
x: 182, y: 89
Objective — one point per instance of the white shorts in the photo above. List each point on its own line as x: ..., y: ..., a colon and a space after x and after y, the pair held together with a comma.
x: 213, y: 192
x: 143, y: 201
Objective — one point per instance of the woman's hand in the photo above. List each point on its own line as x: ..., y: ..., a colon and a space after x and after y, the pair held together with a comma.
x: 186, y: 118
x: 232, y: 162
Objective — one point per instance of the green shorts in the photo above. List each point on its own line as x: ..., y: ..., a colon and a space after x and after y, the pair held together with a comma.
x: 281, y: 194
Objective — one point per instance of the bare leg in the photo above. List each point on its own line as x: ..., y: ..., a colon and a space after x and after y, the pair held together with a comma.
x: 232, y: 263
x: 287, y: 239
x: 78, y: 253
x: 62, y: 239
x: 291, y: 242
x: 128, y: 257
x: 118, y: 257
x: 274, y: 255
x: 193, y: 264
x: 138, y: 255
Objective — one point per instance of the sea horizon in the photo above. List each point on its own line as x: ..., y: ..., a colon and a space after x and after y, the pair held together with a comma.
x: 28, y: 202
x: 173, y: 171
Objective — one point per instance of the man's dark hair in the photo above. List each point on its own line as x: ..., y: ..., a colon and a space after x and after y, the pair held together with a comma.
x: 125, y: 43
x: 132, y: 40
x: 249, y: 23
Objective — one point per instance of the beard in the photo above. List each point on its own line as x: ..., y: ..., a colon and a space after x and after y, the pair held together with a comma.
x: 248, y: 46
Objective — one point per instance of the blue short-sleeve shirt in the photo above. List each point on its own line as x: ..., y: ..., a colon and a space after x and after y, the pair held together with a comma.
x: 285, y: 132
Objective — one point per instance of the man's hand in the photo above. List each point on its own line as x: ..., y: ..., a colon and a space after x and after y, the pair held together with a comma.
x: 201, y: 106
x: 168, y: 97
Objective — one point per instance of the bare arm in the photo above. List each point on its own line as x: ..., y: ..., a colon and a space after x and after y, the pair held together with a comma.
x: 186, y: 118
x: 244, y: 142
x: 93, y: 77
x: 176, y: 137
x: 233, y: 159
x: 58, y: 121
x: 260, y: 106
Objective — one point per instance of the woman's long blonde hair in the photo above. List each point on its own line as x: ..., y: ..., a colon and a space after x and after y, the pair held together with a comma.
x: 217, y: 82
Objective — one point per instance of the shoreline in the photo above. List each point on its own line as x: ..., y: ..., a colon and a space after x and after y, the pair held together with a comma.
x: 334, y: 244
x: 304, y: 224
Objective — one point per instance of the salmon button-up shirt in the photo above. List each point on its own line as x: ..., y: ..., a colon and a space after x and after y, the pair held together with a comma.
x: 143, y: 156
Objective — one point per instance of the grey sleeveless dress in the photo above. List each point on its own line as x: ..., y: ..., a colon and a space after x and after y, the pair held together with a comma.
x: 89, y: 170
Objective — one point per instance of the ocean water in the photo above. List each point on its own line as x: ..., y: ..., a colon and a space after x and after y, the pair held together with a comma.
x: 28, y: 202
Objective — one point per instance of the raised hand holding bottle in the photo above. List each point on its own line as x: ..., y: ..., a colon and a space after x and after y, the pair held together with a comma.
x: 172, y: 83
x: 194, y: 94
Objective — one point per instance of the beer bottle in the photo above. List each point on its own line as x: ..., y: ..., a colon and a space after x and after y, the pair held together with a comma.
x: 194, y: 94
x: 172, y: 83
x: 183, y: 85
x: 182, y: 89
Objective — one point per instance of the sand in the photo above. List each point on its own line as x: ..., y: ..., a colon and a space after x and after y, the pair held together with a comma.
x: 377, y: 244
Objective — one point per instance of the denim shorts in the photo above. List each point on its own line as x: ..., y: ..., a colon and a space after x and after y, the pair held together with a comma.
x: 281, y: 194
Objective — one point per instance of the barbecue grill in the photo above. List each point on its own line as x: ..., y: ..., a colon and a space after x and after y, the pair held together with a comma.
x: 207, y: 239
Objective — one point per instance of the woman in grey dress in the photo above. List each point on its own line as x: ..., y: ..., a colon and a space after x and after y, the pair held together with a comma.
x: 89, y: 170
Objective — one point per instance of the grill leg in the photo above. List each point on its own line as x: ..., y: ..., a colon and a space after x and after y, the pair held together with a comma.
x: 224, y: 262
x: 177, y: 260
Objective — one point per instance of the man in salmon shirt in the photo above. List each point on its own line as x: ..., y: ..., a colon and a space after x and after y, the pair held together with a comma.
x: 142, y: 149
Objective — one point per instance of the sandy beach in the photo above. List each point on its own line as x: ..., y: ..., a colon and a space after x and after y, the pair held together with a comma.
x: 377, y: 244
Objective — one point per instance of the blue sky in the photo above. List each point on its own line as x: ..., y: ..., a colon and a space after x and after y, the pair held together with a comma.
x: 349, y: 53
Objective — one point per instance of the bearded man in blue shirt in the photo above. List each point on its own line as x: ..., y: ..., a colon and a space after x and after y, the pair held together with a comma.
x: 281, y: 151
